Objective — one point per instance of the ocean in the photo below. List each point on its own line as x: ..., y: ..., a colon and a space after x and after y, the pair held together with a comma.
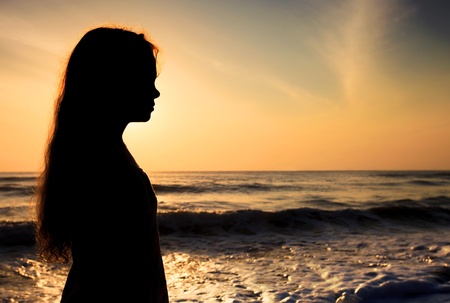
x: 289, y: 236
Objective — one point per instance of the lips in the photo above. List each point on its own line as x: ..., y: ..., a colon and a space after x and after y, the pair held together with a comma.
x: 149, y: 107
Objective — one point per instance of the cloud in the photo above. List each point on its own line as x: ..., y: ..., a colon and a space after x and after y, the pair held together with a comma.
x: 350, y: 36
x: 19, y: 59
x: 292, y: 91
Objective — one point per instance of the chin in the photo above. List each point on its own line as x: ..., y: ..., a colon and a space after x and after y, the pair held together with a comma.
x: 141, y: 118
x: 147, y: 117
x: 142, y: 115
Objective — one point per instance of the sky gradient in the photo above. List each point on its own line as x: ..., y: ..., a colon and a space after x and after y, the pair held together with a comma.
x: 249, y: 85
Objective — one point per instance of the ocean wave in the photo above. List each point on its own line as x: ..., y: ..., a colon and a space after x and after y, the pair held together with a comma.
x: 416, y: 174
x: 17, y: 179
x: 17, y: 233
x: 17, y: 190
x: 252, y: 222
x: 427, y: 183
x: 398, y: 215
x: 222, y: 188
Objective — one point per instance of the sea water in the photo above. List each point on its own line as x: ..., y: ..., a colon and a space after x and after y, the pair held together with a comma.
x: 339, y: 236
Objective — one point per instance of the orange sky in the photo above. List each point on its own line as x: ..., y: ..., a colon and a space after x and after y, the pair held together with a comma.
x: 250, y: 85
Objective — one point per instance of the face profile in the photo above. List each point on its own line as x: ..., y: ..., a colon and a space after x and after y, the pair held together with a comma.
x: 139, y: 91
x: 110, y: 77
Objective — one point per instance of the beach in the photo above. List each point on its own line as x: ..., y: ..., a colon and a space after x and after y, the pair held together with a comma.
x: 340, y: 237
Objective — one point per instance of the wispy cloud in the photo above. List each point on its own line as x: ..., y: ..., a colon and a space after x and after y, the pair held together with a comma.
x: 351, y: 34
x: 294, y: 92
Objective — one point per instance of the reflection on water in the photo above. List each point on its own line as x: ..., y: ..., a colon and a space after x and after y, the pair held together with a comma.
x: 29, y: 280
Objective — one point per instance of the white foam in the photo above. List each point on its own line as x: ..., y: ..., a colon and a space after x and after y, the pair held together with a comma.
x: 353, y: 269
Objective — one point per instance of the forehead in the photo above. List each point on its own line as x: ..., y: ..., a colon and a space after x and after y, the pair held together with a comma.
x: 142, y: 60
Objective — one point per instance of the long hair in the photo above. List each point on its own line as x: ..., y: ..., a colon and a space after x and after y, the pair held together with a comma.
x: 98, y: 64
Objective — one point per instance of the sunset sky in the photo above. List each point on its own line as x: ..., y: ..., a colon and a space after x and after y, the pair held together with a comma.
x: 249, y: 84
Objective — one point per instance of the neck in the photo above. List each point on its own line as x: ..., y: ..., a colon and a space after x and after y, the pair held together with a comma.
x: 112, y: 132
